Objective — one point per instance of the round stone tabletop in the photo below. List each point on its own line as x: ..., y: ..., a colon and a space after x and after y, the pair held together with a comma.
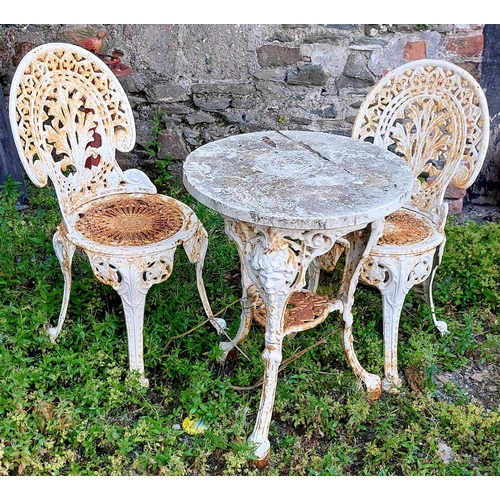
x: 298, y: 180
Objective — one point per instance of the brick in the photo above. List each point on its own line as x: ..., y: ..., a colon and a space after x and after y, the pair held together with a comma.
x: 453, y: 192
x: 455, y: 206
x: 466, y: 46
x: 414, y: 51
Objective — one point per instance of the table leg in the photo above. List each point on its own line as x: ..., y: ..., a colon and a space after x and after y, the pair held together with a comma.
x: 360, y: 243
x: 274, y: 261
x: 246, y: 298
x: 272, y: 356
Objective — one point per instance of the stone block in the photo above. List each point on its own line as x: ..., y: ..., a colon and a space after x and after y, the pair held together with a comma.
x: 176, y: 109
x: 200, y: 117
x: 368, y: 43
x: 211, y: 103
x: 327, y: 112
x: 244, y: 102
x: 277, y: 55
x: 172, y: 144
x: 279, y: 36
x: 356, y: 66
x: 323, y: 38
x: 309, y: 74
x: 166, y: 92
x: 274, y: 75
x: 223, y: 88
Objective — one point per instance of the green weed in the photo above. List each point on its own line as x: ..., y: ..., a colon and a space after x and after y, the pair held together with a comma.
x: 73, y: 408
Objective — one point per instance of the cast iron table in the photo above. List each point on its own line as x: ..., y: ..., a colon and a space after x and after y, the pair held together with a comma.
x: 287, y: 197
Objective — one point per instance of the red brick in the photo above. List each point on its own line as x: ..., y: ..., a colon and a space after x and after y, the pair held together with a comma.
x: 453, y: 192
x: 455, y: 207
x: 414, y: 51
x: 466, y: 46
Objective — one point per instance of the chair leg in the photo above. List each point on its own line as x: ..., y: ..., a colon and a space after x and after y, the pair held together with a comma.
x: 313, y: 272
x: 134, y: 301
x: 132, y: 280
x: 245, y: 318
x: 359, y: 246
x: 393, y: 297
x: 427, y: 285
x: 64, y: 250
x: 327, y: 262
x: 394, y: 278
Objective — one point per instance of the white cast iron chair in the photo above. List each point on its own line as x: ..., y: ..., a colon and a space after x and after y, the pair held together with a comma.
x: 434, y: 114
x: 68, y: 114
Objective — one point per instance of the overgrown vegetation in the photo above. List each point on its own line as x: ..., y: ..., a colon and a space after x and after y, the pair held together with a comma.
x: 73, y: 408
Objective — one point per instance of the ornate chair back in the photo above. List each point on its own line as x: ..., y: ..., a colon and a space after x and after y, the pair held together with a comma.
x: 434, y: 114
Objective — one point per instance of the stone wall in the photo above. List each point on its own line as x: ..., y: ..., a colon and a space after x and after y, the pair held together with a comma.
x: 211, y: 81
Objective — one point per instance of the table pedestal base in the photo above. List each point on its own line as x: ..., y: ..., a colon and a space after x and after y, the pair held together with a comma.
x: 274, y: 264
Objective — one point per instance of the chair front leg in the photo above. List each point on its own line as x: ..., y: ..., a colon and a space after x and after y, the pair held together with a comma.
x: 327, y: 262
x: 132, y: 279
x: 394, y: 277
x: 360, y: 243
x: 64, y: 250
x: 247, y: 298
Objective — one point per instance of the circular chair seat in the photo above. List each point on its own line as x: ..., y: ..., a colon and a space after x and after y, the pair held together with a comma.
x: 405, y: 228
x: 125, y: 220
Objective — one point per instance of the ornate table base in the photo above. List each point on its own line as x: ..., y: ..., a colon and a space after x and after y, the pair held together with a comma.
x: 274, y: 264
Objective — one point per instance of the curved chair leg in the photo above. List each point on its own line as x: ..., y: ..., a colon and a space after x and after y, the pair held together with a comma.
x: 64, y: 250
x: 313, y: 272
x: 427, y: 285
x: 327, y: 262
x: 394, y: 278
x: 245, y: 323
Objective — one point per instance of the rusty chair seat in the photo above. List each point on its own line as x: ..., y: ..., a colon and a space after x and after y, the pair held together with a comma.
x: 404, y: 229
x: 131, y: 220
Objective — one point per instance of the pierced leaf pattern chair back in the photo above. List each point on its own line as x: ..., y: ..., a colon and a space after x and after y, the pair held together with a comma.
x: 71, y: 113
x: 433, y: 114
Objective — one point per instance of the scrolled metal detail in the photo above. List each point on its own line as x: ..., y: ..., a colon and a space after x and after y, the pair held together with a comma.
x: 70, y: 115
x: 434, y: 117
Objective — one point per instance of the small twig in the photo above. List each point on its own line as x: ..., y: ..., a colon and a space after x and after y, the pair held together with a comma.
x: 283, y: 365
x: 175, y: 337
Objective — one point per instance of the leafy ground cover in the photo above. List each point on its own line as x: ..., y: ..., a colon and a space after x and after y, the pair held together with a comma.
x: 73, y: 408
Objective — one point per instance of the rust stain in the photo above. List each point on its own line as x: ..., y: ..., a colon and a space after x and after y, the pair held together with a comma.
x: 130, y: 221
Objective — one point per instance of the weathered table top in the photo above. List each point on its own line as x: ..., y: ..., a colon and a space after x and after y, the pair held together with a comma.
x: 297, y: 180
